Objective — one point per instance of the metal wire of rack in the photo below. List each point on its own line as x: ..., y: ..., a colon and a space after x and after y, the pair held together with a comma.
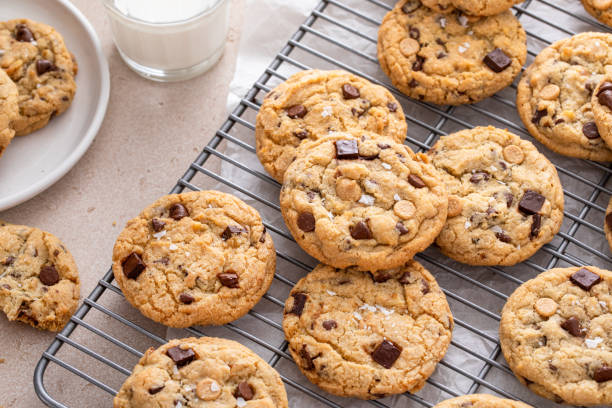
x: 342, y: 34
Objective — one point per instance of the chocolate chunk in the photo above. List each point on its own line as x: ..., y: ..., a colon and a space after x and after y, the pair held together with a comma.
x: 48, y: 275
x: 414, y: 33
x: 585, y: 279
x: 497, y: 60
x: 302, y: 134
x: 386, y: 353
x: 297, y: 111
x: 178, y: 211
x: 417, y: 65
x: 56, y: 252
x: 383, y: 146
x: 186, y: 298
x: 539, y: 114
x: 179, y: 356
x: 133, y: 265
x: 299, y: 301
x: 350, y: 92
x: 231, y: 230
x: 306, y: 222
x: 589, y: 130
x: 330, y: 324
x: 441, y: 54
x: 413, y: 84
x: 347, y: 150
x: 43, y: 66
x: 605, y: 98
x: 425, y: 287
x: 411, y: 6
x: 536, y: 223
x: 416, y: 181
x: 531, y: 202
x: 228, y: 279
x: 8, y: 261
x: 155, y: 390
x: 503, y: 237
x: 609, y: 220
x: 405, y: 279
x: 573, y: 327
x: 245, y: 391
x: 23, y: 33
x: 392, y: 106
x: 157, y: 224
x: 262, y: 239
x: 605, y: 86
x: 479, y: 176
x: 509, y: 199
x: 361, y: 231
x: 602, y: 374
x: 308, y: 360
x: 401, y: 228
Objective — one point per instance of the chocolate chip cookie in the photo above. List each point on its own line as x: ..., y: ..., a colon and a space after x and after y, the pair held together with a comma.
x: 601, y: 102
x: 35, y: 57
x: 39, y: 281
x: 554, y: 95
x: 556, y: 334
x: 608, y: 224
x: 600, y: 9
x: 202, y: 372
x: 498, y: 212
x: 195, y: 258
x: 471, y: 7
x: 480, y: 401
x: 358, y: 336
x: 9, y: 109
x: 449, y: 58
x: 359, y: 200
x: 311, y: 104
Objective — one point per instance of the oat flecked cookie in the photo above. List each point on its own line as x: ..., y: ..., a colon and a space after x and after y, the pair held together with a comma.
x: 39, y: 281
x: 480, y: 401
x: 499, y: 213
x: 311, y: 104
x: 202, y: 372
x: 449, y: 58
x: 556, y: 334
x: 195, y: 258
x: 600, y: 9
x: 357, y: 337
x: 9, y: 109
x: 35, y: 57
x: 554, y: 95
x: 471, y: 7
x: 364, y: 202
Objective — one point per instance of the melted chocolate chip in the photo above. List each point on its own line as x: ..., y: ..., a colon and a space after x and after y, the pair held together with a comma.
x: 585, y: 279
x: 589, y: 130
x: 133, y: 265
x: 262, y: 239
x: 386, y: 353
x: 229, y: 279
x: 178, y: 211
x: 392, y: 106
x: 425, y: 287
x: 302, y: 134
x: 605, y: 86
x: 509, y: 199
x: 23, y: 33
x: 413, y: 83
x: 179, y: 356
x: 538, y: 115
x: 411, y: 6
x: 536, y: 223
x: 347, y: 150
x: 416, y: 181
x: 361, y: 231
x: 230, y: 231
x: 383, y: 146
x: 417, y: 65
x: 602, y: 374
x: 573, y: 327
x: 299, y: 301
x: 441, y: 54
x: 297, y: 111
x: 531, y: 202
x: 330, y: 324
x: 605, y: 98
x: 306, y: 222
x: 350, y: 92
x: 155, y: 390
x: 245, y: 391
x: 503, y: 237
x: 401, y: 228
x: 414, y: 33
x: 186, y: 298
x: 405, y: 279
x: 48, y: 275
x: 157, y: 224
x: 497, y: 60
x: 307, y: 358
x: 43, y: 66
x: 479, y: 176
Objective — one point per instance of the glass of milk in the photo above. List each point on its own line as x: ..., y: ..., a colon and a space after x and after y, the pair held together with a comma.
x: 169, y: 40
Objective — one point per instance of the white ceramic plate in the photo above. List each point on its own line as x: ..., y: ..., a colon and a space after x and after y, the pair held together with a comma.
x: 34, y: 162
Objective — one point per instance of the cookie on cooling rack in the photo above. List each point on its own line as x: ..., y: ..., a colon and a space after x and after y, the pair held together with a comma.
x: 9, y: 109
x: 358, y: 337
x: 311, y: 104
x: 471, y: 7
x: 35, y: 57
x: 195, y: 258
x: 39, y: 281
x: 481, y: 401
x: 554, y: 95
x: 555, y: 333
x: 600, y: 9
x: 202, y: 372
x: 449, y: 59
x: 359, y: 200
x: 498, y: 213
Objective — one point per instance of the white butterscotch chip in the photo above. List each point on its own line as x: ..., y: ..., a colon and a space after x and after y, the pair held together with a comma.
x: 546, y: 307
x: 409, y: 47
x: 454, y: 206
x: 513, y: 154
x: 208, y: 389
x: 550, y: 91
x: 404, y: 209
x: 348, y: 189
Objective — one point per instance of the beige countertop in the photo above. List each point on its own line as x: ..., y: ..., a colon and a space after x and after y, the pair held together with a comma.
x: 149, y: 136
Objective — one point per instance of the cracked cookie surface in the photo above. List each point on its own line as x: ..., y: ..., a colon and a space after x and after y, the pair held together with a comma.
x: 471, y: 7
x: 556, y: 334
x: 35, y: 57
x: 195, y: 258
x: 9, y: 109
x: 481, y: 401
x: 600, y: 9
x: 554, y: 95
x: 202, y: 372
x: 449, y: 58
x: 499, y: 214
x: 39, y: 281
x: 353, y: 336
x: 313, y: 103
x: 359, y: 200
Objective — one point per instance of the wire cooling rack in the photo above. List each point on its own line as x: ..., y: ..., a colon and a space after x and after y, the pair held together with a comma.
x: 342, y: 34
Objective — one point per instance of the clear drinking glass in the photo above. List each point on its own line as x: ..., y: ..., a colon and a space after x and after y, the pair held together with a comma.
x: 169, y: 40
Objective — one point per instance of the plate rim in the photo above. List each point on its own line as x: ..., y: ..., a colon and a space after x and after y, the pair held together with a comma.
x: 88, y: 136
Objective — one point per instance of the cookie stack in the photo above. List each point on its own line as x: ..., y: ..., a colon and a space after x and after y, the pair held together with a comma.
x: 36, y: 77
